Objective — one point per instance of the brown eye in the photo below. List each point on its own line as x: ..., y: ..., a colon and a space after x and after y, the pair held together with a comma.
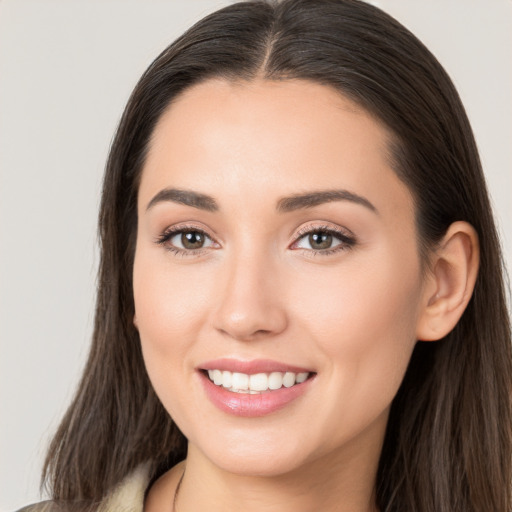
x: 192, y: 240
x: 186, y: 240
x: 320, y: 240
x: 323, y: 241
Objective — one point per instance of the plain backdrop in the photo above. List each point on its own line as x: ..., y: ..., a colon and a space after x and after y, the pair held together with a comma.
x: 66, y: 70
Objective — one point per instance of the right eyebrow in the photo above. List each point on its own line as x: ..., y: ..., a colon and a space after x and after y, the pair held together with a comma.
x: 311, y: 199
x: 186, y: 197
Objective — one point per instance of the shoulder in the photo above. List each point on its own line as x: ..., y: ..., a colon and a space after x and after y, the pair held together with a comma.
x: 127, y: 496
x: 53, y: 506
x: 44, y: 506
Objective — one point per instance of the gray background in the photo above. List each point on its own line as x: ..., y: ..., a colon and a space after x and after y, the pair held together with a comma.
x: 66, y: 70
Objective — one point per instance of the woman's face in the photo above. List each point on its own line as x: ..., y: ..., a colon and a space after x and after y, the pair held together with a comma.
x: 275, y: 244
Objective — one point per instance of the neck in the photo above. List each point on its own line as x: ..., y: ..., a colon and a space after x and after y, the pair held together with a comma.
x: 333, y: 483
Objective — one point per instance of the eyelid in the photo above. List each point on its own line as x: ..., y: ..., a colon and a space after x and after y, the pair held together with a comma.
x: 344, y: 235
x: 323, y: 226
x: 346, y: 238
x: 171, y: 231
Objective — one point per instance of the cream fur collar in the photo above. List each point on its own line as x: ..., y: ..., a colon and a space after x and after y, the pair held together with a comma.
x: 128, y: 495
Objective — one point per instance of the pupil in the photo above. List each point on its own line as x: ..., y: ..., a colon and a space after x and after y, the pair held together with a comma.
x: 192, y: 240
x: 320, y: 240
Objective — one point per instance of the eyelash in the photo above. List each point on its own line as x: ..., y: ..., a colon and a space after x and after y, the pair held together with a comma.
x: 169, y: 233
x: 348, y: 241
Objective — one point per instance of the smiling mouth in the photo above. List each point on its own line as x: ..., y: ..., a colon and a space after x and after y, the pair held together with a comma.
x: 257, y: 383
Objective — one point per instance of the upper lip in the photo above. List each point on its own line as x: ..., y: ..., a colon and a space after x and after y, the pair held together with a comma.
x: 251, y: 367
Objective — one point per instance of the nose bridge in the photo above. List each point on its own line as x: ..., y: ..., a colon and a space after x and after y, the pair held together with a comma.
x: 249, y: 301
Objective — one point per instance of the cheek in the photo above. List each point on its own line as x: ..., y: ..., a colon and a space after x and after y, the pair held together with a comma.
x: 376, y: 296
x: 169, y: 302
x: 170, y: 306
x: 363, y: 319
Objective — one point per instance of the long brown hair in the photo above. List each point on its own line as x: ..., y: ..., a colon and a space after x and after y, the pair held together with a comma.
x: 448, y: 445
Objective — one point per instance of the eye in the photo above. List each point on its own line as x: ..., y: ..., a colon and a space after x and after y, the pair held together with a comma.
x: 318, y: 240
x: 185, y: 240
x: 190, y: 240
x: 323, y: 240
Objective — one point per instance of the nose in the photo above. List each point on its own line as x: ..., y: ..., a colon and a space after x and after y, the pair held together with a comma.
x: 250, y: 305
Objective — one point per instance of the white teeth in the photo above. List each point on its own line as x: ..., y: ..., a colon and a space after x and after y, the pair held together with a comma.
x: 256, y: 383
x: 275, y: 380
x: 240, y: 381
x: 227, y: 380
x: 217, y: 377
x: 301, y: 377
x: 288, y: 379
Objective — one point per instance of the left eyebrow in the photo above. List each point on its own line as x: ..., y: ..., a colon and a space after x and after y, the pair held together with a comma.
x: 311, y: 199
x: 186, y: 197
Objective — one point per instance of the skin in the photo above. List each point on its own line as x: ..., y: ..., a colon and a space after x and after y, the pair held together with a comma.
x: 259, y: 290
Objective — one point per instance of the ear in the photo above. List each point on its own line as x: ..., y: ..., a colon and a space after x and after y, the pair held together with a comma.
x: 450, y: 282
x: 135, y: 321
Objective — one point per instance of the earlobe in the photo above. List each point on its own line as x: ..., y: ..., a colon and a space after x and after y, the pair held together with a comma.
x: 450, y: 283
x: 135, y: 321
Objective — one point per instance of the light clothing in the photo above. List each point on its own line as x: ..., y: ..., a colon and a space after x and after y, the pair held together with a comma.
x: 127, y: 496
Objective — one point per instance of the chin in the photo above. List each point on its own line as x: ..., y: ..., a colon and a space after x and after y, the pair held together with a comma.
x: 257, y: 458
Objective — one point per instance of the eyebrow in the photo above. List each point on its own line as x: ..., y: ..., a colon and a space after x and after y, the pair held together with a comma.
x: 284, y: 205
x: 186, y: 197
x: 311, y: 199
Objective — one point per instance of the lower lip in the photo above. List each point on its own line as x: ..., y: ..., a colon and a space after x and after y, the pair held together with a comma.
x: 247, y: 405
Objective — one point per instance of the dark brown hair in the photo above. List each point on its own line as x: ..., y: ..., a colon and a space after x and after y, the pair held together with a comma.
x: 448, y: 445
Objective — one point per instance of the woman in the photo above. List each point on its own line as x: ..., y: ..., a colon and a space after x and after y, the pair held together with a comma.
x: 300, y: 298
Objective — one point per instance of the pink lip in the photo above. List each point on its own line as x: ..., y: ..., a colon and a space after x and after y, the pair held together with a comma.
x: 244, y: 404
x: 251, y: 367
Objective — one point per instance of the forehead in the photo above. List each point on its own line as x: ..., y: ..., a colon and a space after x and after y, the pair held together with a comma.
x: 297, y: 111
x: 268, y: 138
